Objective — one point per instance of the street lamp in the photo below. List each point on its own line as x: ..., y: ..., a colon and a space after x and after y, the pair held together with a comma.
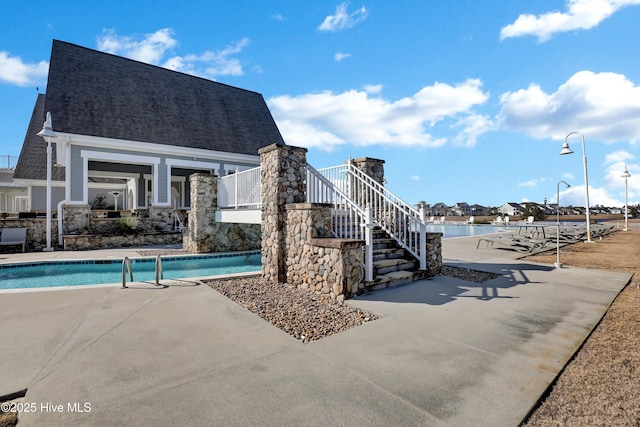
x: 567, y: 150
x: 47, y: 133
x: 558, y: 264
x: 626, y: 175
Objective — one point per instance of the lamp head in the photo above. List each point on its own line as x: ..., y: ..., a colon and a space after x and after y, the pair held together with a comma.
x: 566, y: 149
x: 47, y: 128
x: 626, y: 173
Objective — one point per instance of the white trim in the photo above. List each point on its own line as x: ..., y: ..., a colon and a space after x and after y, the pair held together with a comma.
x: 116, y: 158
x: 161, y: 149
x: 181, y: 163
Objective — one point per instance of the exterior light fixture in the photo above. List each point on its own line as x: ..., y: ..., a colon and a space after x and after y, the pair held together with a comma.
x: 47, y: 133
x: 626, y: 175
x: 567, y: 150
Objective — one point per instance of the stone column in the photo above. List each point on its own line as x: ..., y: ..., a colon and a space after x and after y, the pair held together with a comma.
x: 283, y: 178
x: 372, y: 168
x: 204, y: 202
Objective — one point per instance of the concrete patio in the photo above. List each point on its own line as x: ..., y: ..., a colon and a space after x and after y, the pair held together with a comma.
x: 445, y: 351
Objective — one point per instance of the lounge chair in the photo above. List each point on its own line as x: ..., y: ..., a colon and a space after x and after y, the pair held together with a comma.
x: 506, y: 220
x: 442, y: 219
x: 497, y: 221
x: 471, y: 220
x: 14, y: 237
x: 514, y: 242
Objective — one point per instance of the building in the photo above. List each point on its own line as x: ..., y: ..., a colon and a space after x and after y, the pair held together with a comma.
x: 134, y: 132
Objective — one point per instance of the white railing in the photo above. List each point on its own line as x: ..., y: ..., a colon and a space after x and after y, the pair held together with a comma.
x: 400, y: 220
x: 240, y: 189
x: 350, y: 221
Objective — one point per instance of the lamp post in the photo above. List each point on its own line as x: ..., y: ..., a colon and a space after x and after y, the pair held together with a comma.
x: 567, y: 150
x: 626, y: 175
x: 47, y: 133
x: 558, y: 264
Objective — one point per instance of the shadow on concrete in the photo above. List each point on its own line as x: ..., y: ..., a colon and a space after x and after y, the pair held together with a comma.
x: 441, y: 290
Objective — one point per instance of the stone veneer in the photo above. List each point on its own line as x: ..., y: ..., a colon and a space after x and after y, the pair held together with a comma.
x: 297, y: 246
x: 203, y: 233
x: 283, y: 178
x: 36, y: 232
x: 315, y: 260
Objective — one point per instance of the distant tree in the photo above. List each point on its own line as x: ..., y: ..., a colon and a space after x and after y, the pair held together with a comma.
x: 634, y: 211
x: 534, y: 210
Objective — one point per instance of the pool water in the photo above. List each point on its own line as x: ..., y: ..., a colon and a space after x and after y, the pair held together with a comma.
x: 465, y: 230
x: 93, y: 272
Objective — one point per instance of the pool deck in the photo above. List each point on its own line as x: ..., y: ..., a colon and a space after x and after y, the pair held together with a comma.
x: 445, y: 352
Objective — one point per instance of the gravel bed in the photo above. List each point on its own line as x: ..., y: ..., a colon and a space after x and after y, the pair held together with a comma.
x: 304, y: 315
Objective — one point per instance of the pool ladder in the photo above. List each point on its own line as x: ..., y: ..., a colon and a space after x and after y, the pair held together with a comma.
x: 126, y: 265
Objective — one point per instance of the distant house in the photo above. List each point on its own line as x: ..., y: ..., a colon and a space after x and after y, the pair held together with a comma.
x: 137, y: 129
x: 439, y: 209
x: 479, y: 210
x: 510, y: 209
x: 461, y: 209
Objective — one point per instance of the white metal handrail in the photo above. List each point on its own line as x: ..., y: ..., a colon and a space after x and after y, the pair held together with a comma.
x: 240, y: 189
x: 400, y: 220
x: 350, y: 221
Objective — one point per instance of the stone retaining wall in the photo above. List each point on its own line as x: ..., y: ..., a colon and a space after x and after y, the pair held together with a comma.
x: 36, y: 231
x: 83, y: 242
x: 314, y: 260
x: 203, y: 234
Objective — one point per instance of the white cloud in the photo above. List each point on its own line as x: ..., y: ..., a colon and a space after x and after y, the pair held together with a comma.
x: 339, y: 56
x: 532, y: 183
x: 616, y: 163
x: 342, y: 19
x: 327, y: 119
x: 277, y: 17
x: 604, y: 106
x: 153, y: 48
x: 14, y: 71
x: 415, y: 178
x: 580, y: 15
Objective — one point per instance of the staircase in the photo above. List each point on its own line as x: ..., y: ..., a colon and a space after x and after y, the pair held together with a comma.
x: 392, y: 264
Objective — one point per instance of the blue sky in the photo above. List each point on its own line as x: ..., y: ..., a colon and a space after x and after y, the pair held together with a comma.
x: 466, y: 100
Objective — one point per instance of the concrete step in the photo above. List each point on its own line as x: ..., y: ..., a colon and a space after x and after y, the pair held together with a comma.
x: 389, y: 280
x: 390, y: 265
x: 389, y: 253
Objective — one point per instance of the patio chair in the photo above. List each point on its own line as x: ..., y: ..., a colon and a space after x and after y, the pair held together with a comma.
x: 14, y: 237
x: 497, y: 221
x: 471, y: 220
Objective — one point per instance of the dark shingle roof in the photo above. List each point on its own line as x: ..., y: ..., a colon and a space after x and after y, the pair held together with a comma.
x: 99, y: 94
x: 32, y: 163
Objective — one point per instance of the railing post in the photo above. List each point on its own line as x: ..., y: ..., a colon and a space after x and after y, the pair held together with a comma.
x: 236, y: 189
x: 423, y: 238
x: 368, y: 256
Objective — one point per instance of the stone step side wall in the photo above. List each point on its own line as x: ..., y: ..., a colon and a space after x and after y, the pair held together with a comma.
x: 314, y: 260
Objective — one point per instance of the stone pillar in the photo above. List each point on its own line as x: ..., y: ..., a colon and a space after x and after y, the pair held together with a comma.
x: 75, y: 219
x: 204, y: 202
x: 434, y: 253
x: 283, y: 178
x: 372, y: 168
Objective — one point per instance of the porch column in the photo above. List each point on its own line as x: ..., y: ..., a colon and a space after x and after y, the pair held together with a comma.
x: 283, y: 178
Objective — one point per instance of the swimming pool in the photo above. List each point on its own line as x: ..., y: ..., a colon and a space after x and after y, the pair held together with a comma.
x: 74, y: 273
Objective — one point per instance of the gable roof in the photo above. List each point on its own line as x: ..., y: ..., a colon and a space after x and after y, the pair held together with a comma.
x: 32, y: 163
x: 99, y: 94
